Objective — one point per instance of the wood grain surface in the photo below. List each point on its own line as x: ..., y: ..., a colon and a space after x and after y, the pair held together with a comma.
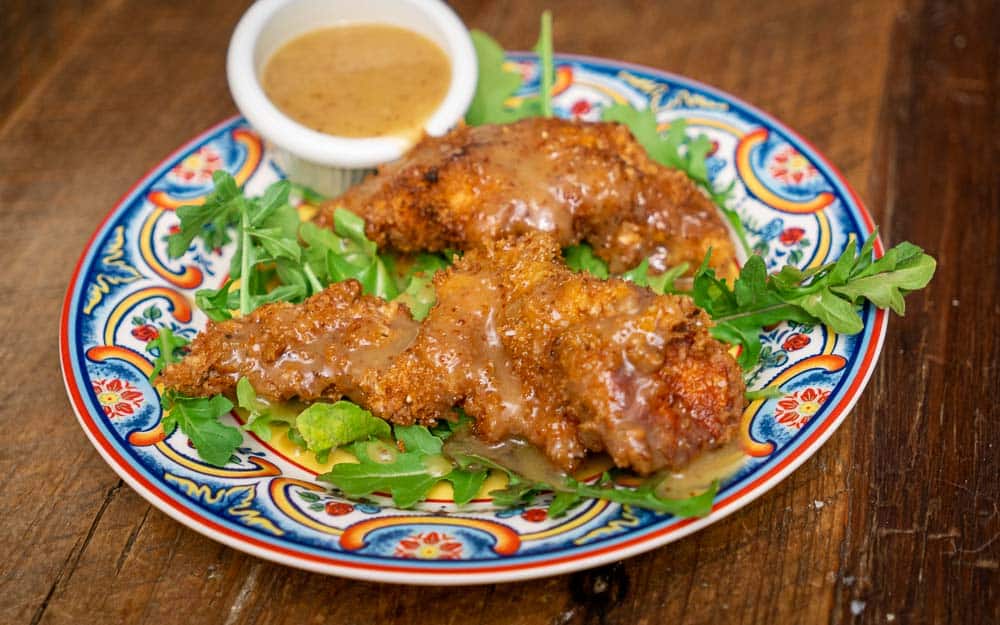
x: 895, y: 520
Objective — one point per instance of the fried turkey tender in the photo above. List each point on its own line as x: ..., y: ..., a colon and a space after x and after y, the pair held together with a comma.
x: 526, y: 347
x: 581, y: 181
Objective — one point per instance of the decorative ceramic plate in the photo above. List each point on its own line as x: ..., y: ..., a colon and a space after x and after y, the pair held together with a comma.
x: 794, y: 206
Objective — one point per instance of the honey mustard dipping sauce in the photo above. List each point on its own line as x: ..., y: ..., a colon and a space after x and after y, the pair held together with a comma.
x: 359, y: 80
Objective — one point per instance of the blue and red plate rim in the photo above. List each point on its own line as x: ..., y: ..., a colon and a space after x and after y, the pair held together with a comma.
x: 515, y: 567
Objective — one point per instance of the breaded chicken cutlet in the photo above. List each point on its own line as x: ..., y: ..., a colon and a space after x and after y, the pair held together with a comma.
x: 525, y: 346
x: 580, y: 181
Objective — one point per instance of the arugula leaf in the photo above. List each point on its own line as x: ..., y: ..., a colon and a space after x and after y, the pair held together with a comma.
x: 319, y: 428
x: 582, y: 258
x: 359, y: 259
x: 516, y: 493
x: 645, y: 128
x: 416, y: 283
x: 466, y: 484
x: 659, y: 283
x: 829, y: 294
x: 417, y: 438
x: 302, y: 193
x: 677, y: 150
x: 496, y: 85
x: 294, y: 436
x: 169, y: 349
x: 770, y: 392
x: 419, y: 296
x: 260, y: 414
x: 664, y: 282
x: 562, y: 502
x: 884, y: 282
x: 638, y: 274
x: 210, y: 220
x: 645, y: 496
x: 407, y: 476
x: 217, y: 303
x: 198, y: 418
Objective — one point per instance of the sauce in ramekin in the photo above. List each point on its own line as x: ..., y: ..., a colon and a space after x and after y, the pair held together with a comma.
x: 360, y: 80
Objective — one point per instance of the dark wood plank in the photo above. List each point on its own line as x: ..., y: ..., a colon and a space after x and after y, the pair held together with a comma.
x: 887, y: 519
x: 923, y: 544
x: 126, y: 93
x: 34, y: 34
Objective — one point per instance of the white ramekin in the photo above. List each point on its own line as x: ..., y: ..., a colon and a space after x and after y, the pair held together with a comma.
x: 327, y: 163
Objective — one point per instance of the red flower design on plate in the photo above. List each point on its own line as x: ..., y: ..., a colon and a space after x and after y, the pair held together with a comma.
x: 796, y: 409
x: 790, y: 167
x: 791, y: 236
x: 580, y: 108
x: 429, y: 546
x: 535, y: 515
x: 338, y: 508
x: 197, y: 168
x: 145, y: 333
x: 794, y: 342
x: 117, y: 398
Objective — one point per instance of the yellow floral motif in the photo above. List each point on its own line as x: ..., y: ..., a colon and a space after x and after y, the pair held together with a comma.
x: 627, y: 520
x: 240, y: 510
x: 685, y: 99
x: 655, y: 90
x: 103, y: 282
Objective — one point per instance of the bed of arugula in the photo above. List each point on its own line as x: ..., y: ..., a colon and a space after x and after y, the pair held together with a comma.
x: 281, y: 258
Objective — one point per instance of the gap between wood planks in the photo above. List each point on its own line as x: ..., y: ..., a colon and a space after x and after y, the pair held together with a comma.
x: 903, y: 557
x: 69, y: 566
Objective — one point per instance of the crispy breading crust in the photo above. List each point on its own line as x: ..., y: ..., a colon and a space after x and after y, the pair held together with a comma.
x: 527, y: 347
x: 581, y: 181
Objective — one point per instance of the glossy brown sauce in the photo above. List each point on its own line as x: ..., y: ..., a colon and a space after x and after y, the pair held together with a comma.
x: 481, y: 355
x: 515, y: 454
x: 534, y: 353
x: 363, y: 80
x: 697, y: 477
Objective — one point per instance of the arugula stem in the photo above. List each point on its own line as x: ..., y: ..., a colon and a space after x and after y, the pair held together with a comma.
x: 245, y: 262
x: 545, y: 54
x: 756, y: 311
x: 314, y: 282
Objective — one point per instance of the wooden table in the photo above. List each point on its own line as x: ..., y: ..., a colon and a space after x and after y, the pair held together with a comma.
x: 896, y: 519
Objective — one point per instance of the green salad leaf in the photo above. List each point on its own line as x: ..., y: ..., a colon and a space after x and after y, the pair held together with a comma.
x: 829, y: 294
x: 581, y: 257
x: 496, y: 85
x: 198, y: 418
x: 677, y: 150
x: 325, y: 427
x: 520, y: 492
x: 465, y: 484
x: 280, y: 258
x: 407, y: 472
x: 169, y: 348
x: 770, y: 392
x: 320, y: 427
x: 659, y: 283
x: 259, y: 417
x: 209, y: 221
